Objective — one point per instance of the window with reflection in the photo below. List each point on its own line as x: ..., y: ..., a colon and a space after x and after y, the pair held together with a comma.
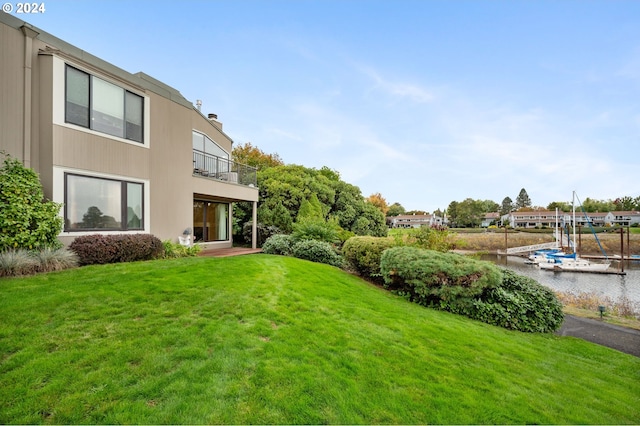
x: 102, y: 106
x: 102, y: 204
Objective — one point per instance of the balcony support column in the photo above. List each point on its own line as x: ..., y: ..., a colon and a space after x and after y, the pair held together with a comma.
x: 254, y: 226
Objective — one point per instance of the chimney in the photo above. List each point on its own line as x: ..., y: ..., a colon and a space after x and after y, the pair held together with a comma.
x: 213, y: 116
x: 198, y: 104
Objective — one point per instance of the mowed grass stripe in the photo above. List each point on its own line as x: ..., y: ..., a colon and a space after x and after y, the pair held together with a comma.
x: 269, y: 339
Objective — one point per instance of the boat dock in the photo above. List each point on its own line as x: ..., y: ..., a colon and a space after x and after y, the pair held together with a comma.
x: 605, y: 272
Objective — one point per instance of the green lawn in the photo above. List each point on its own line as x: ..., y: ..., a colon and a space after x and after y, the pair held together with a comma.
x: 269, y: 339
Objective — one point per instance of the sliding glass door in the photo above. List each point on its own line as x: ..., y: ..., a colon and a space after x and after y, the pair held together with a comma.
x: 210, y: 221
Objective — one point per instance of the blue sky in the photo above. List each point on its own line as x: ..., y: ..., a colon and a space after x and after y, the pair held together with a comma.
x: 426, y: 102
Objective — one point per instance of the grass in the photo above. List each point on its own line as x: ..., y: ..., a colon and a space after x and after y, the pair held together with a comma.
x: 269, y: 339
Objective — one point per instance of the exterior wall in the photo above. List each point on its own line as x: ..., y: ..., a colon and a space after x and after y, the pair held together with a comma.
x: 33, y: 129
x: 12, y: 46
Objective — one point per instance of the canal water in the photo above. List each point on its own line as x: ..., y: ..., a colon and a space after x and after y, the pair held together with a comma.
x: 614, y: 287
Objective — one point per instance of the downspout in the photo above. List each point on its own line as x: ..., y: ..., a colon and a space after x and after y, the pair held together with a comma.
x: 29, y: 35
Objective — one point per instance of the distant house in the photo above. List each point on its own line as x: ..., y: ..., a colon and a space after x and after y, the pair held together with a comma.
x: 414, y: 220
x: 490, y: 219
x: 124, y: 153
x: 531, y: 219
x: 623, y: 218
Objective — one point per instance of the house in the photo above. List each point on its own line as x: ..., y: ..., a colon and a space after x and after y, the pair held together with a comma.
x: 490, y: 219
x: 623, y: 218
x: 124, y: 153
x: 414, y: 220
x: 531, y: 219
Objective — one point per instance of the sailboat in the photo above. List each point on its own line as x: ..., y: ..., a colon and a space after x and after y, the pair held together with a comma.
x: 573, y: 262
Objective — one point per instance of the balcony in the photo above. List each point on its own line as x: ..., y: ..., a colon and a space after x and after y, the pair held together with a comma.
x: 222, y: 169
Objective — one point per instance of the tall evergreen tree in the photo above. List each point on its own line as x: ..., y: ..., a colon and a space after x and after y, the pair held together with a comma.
x: 523, y: 199
x: 507, y: 206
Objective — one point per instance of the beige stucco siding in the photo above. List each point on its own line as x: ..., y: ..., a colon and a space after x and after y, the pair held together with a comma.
x: 11, y: 91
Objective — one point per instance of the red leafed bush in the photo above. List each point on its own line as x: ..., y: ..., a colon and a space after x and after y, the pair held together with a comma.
x: 100, y: 249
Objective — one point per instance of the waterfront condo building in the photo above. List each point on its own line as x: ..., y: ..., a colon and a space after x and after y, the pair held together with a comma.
x: 123, y: 153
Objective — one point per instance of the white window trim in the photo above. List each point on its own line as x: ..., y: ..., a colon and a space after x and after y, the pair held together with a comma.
x: 59, y: 85
x: 58, y: 197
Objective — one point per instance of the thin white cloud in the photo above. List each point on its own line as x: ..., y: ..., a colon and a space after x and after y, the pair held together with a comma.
x: 398, y: 89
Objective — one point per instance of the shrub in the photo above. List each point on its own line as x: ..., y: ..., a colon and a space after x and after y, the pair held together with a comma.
x: 363, y: 254
x: 175, y: 250
x: 49, y: 260
x: 430, y: 238
x: 317, y: 251
x: 432, y: 278
x: 518, y: 303
x: 474, y: 288
x: 101, y: 249
x: 23, y: 262
x: 17, y: 262
x: 319, y: 231
x: 27, y: 221
x: 281, y: 244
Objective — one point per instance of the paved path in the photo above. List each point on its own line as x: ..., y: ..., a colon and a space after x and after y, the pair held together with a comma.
x: 624, y: 339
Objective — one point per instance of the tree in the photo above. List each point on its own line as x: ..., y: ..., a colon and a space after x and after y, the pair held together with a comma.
x: 452, y: 211
x: 562, y: 206
x: 395, y: 209
x: 378, y: 201
x: 293, y: 188
x: 469, y: 213
x: 27, y: 220
x: 507, y: 206
x: 627, y: 203
x: 252, y: 156
x: 523, y: 200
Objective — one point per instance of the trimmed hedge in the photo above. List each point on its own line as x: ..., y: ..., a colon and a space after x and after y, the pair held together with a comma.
x: 364, y: 253
x: 474, y: 288
x: 433, y: 278
x: 101, y: 249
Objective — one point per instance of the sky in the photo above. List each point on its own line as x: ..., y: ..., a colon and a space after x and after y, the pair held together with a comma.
x: 425, y: 102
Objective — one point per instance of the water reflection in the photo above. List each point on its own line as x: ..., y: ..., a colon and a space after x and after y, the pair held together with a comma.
x: 612, y: 286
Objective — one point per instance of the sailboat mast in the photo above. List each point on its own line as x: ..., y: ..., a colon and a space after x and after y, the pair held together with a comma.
x: 573, y: 202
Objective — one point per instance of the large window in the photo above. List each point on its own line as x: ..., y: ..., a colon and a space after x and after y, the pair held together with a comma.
x: 210, y: 221
x: 102, y: 204
x: 102, y: 106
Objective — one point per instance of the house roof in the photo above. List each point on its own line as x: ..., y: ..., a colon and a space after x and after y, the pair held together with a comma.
x: 412, y: 217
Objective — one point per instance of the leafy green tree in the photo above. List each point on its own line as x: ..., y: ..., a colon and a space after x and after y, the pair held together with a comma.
x: 318, y: 193
x: 562, y: 206
x: 452, y: 211
x: 310, y: 210
x: 470, y: 213
x: 523, y: 200
x: 626, y: 203
x: 27, y: 220
x: 395, y: 209
x: 252, y: 156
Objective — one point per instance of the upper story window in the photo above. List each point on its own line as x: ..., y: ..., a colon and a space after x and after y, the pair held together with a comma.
x: 102, y: 106
x: 205, y: 145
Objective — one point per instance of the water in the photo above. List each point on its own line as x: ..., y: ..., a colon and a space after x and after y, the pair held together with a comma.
x: 615, y: 287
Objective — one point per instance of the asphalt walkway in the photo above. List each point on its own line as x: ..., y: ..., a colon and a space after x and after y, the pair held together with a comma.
x: 623, y: 339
